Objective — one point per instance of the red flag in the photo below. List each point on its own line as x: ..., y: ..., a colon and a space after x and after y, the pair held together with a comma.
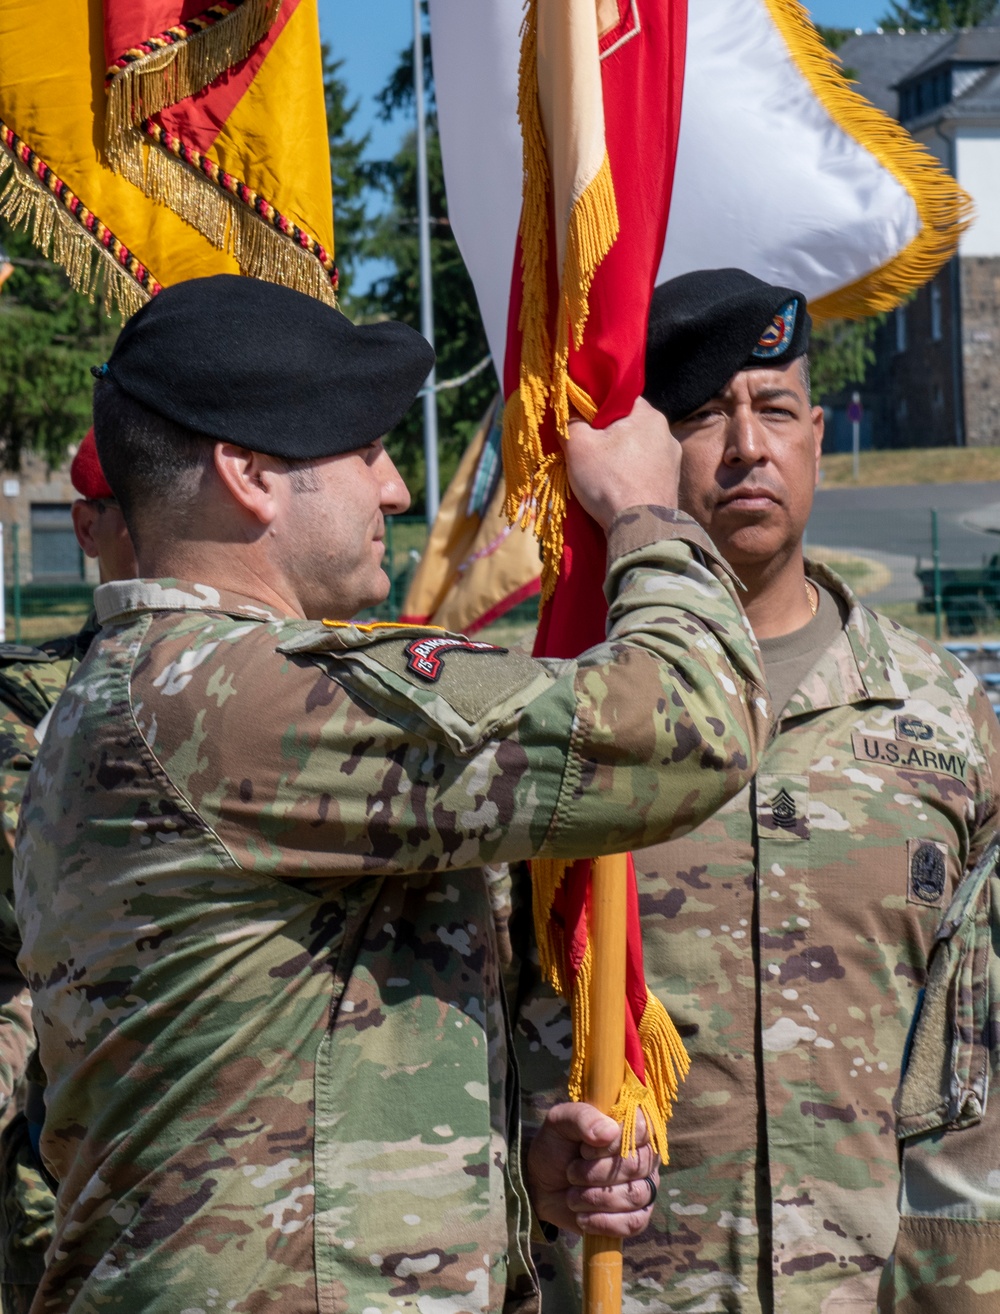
x: 600, y: 98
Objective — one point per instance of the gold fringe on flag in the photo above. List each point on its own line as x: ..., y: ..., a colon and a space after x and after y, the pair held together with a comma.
x: 943, y: 208
x: 536, y: 481
x: 260, y: 249
x: 61, y: 227
x: 667, y: 1061
x: 177, y: 64
x: 166, y: 69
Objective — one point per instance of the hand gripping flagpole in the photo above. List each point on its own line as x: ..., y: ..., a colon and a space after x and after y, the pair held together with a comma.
x: 605, y: 1067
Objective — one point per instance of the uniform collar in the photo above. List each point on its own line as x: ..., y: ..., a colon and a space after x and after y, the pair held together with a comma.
x: 858, y: 667
x: 124, y: 599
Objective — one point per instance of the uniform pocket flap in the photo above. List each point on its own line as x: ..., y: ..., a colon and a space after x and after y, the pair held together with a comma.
x: 452, y: 689
x: 946, y: 1070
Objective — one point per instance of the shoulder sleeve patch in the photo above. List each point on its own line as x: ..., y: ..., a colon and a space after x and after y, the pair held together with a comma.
x: 462, y: 690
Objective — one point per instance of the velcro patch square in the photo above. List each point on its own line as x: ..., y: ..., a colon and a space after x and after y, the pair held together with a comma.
x: 926, y: 872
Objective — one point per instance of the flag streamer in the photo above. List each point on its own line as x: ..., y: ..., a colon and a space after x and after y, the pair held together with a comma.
x: 184, y: 113
x: 170, y: 67
x: 944, y: 208
x: 536, y: 480
x: 176, y: 63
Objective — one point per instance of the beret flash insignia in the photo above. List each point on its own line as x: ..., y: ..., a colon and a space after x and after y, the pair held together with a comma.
x: 776, y: 338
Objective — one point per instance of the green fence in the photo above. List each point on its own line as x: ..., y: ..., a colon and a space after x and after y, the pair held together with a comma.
x: 933, y: 569
x: 39, y: 611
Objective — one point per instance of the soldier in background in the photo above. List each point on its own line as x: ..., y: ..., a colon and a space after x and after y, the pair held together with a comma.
x: 249, y: 870
x: 31, y: 679
x: 788, y: 935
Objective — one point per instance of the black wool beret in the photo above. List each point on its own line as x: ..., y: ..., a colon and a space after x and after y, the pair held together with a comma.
x: 267, y: 367
x: 707, y: 325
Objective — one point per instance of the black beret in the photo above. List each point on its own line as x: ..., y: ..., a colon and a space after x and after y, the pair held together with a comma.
x: 267, y: 367
x: 707, y: 325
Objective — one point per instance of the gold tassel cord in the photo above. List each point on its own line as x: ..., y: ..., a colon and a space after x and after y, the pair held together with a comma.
x: 525, y: 410
x: 943, y: 208
x: 666, y: 1060
x: 93, y: 266
x: 165, y: 74
x: 593, y: 229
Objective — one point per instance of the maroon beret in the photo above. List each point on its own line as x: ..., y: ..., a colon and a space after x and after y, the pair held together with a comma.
x: 86, y: 474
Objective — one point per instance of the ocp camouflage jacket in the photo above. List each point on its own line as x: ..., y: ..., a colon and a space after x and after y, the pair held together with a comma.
x: 788, y: 936
x: 947, y: 1255
x: 262, y: 945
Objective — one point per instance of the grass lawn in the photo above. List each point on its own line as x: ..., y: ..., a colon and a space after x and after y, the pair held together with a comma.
x: 914, y: 465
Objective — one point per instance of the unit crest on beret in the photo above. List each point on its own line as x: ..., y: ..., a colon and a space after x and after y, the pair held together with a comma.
x: 775, y: 339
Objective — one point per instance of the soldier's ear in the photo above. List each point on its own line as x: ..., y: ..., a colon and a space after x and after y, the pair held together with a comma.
x: 251, y: 479
x: 84, y: 514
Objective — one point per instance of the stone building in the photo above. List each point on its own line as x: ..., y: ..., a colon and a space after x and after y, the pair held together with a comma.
x: 38, y: 530
x: 936, y: 381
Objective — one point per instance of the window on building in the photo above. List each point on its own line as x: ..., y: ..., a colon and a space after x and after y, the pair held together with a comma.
x: 56, y: 556
x: 936, y: 329
x: 900, y: 317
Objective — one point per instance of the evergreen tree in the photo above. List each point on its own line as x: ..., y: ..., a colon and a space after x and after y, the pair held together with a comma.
x: 50, y: 335
x: 938, y: 15
x: 840, y: 354
x: 459, y: 336
x: 350, y: 180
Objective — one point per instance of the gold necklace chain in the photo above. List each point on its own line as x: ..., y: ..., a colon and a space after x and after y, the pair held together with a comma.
x: 812, y: 597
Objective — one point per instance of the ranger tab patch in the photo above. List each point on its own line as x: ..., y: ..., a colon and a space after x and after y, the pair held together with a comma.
x: 425, y: 657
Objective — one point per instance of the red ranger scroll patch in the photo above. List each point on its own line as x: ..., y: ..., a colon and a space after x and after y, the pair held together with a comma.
x: 425, y: 657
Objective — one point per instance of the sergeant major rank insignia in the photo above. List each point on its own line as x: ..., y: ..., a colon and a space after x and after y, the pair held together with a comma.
x: 425, y: 657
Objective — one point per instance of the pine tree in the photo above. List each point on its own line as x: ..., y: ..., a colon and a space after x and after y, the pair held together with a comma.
x: 939, y: 15
x: 459, y: 336
x: 350, y: 180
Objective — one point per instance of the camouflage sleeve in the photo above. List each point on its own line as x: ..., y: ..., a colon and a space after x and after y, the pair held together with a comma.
x: 502, y: 758
x: 17, y: 1035
x: 665, y: 720
x: 945, y: 1260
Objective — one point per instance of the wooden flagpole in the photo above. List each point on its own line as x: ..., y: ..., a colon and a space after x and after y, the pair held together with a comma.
x: 605, y: 1070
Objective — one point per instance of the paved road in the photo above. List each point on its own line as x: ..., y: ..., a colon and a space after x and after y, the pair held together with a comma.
x: 895, y: 524
x: 897, y: 520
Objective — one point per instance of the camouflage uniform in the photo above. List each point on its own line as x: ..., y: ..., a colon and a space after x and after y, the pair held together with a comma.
x: 31, y: 679
x: 262, y: 945
x: 947, y: 1254
x: 788, y: 937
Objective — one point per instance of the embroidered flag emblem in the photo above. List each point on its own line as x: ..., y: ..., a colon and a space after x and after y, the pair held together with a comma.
x: 425, y: 657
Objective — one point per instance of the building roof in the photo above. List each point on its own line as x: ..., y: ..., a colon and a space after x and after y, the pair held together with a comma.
x: 970, y: 45
x: 878, y: 61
